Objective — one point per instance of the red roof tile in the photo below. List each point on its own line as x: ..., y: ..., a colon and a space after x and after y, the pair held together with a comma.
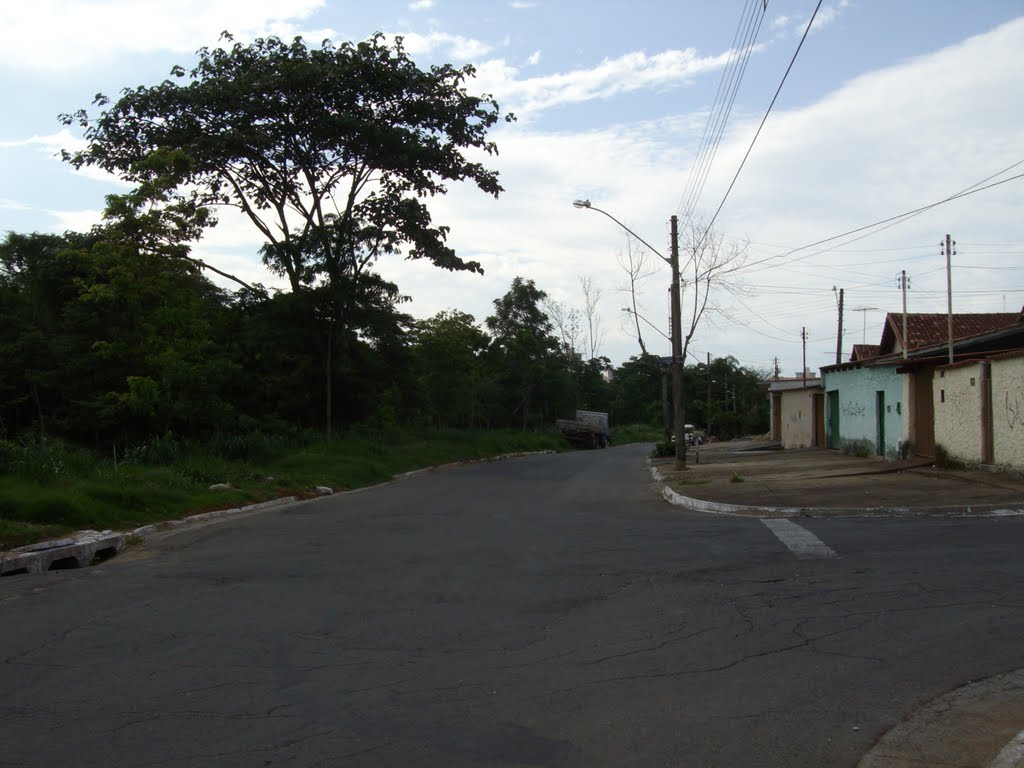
x: 864, y: 352
x: 931, y: 328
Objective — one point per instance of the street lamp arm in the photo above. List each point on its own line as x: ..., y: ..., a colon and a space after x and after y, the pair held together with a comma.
x: 629, y: 311
x: 588, y: 205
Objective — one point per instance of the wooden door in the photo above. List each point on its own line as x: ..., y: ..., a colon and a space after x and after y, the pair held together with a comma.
x: 833, y: 419
x: 819, y: 420
x: 924, y: 413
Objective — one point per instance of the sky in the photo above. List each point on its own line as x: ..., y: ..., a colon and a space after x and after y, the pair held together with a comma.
x: 889, y: 107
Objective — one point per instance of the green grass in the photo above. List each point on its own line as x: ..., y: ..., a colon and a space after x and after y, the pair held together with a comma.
x: 48, y: 489
x: 635, y: 433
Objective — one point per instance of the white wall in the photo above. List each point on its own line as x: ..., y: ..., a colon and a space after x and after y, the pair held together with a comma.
x: 1008, y: 411
x: 957, y: 393
x: 798, y: 419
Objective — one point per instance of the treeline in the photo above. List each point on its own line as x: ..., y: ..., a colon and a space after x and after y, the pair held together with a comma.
x: 105, y: 344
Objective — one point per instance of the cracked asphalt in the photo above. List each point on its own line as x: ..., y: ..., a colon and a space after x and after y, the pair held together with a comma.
x: 542, y: 611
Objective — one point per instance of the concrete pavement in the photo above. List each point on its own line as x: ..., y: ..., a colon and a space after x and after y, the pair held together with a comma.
x: 750, y: 478
x: 978, y: 724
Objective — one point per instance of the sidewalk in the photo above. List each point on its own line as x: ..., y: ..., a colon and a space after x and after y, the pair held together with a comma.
x: 747, y: 477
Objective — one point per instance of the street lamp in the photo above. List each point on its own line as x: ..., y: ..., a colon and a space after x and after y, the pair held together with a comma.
x: 677, y: 331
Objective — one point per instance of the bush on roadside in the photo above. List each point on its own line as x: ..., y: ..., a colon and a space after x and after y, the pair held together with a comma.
x: 663, y: 449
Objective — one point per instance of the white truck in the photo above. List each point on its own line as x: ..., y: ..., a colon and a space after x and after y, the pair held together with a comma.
x: 588, y: 430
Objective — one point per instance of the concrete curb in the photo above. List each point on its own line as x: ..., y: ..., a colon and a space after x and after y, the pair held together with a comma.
x: 747, y: 510
x: 965, y: 726
x: 79, y: 550
x: 217, y: 514
x: 85, y: 548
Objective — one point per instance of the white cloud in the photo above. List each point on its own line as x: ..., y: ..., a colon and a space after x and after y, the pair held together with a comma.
x: 881, y: 144
x: 421, y: 5
x: 62, y: 35
x: 51, y: 143
x: 522, y: 4
x: 533, y: 59
x: 456, y: 46
x: 75, y: 221
x: 826, y: 15
x: 631, y: 72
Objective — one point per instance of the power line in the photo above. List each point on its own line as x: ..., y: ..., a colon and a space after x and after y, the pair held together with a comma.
x: 974, y: 189
x: 758, y: 132
x: 715, y: 126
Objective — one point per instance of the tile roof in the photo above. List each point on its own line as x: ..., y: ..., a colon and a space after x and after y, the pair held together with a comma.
x: 864, y: 352
x: 931, y: 328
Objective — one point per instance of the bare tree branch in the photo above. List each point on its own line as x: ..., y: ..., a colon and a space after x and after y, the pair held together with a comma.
x: 637, y: 268
x: 591, y: 297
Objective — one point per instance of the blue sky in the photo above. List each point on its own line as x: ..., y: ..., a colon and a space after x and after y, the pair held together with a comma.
x: 890, y: 106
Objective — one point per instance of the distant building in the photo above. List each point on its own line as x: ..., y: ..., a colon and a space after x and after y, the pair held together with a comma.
x: 798, y: 411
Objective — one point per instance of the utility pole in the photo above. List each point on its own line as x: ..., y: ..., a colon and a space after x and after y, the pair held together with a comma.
x: 803, y: 338
x: 950, y: 250
x: 677, y: 350
x: 666, y: 412
x: 677, y: 327
x: 904, y: 283
x: 707, y: 426
x: 839, y: 335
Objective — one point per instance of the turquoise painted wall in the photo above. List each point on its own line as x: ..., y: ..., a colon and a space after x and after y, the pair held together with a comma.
x: 858, y: 390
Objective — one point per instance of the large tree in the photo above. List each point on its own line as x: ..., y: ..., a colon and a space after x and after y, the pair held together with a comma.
x: 329, y: 151
x: 522, y: 342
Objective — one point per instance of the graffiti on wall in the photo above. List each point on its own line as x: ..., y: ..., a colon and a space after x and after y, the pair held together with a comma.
x: 853, y: 409
x: 1014, y: 409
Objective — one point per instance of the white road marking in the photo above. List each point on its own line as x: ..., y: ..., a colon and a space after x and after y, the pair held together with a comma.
x: 800, y: 541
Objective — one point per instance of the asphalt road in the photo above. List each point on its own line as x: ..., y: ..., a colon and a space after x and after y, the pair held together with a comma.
x: 544, y: 611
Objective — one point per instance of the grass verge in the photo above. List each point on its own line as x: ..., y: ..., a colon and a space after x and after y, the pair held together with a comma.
x: 49, y: 489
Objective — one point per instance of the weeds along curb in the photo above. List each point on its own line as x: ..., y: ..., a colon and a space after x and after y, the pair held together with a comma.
x: 85, y: 548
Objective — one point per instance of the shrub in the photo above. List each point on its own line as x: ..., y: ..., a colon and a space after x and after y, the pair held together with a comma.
x: 663, y: 449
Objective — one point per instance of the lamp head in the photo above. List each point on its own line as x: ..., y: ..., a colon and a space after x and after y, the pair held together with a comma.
x: 581, y: 203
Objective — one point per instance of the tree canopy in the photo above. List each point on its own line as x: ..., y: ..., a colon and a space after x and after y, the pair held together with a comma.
x: 330, y: 152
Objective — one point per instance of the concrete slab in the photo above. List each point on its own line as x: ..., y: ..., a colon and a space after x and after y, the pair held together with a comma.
x: 728, y: 478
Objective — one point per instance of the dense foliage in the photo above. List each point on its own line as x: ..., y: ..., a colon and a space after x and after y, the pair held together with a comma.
x: 116, y: 337
x: 103, y: 344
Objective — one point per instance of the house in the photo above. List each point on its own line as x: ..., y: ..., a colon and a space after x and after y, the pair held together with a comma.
x: 864, y: 352
x: 864, y: 405
x: 979, y: 410
x: 887, y: 402
x: 797, y: 411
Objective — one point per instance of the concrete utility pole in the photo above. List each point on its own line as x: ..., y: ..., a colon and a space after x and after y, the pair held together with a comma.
x: 707, y: 419
x: 950, y: 248
x: 803, y: 372
x: 677, y: 350
x: 904, y: 284
x: 679, y: 429
x: 839, y: 335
